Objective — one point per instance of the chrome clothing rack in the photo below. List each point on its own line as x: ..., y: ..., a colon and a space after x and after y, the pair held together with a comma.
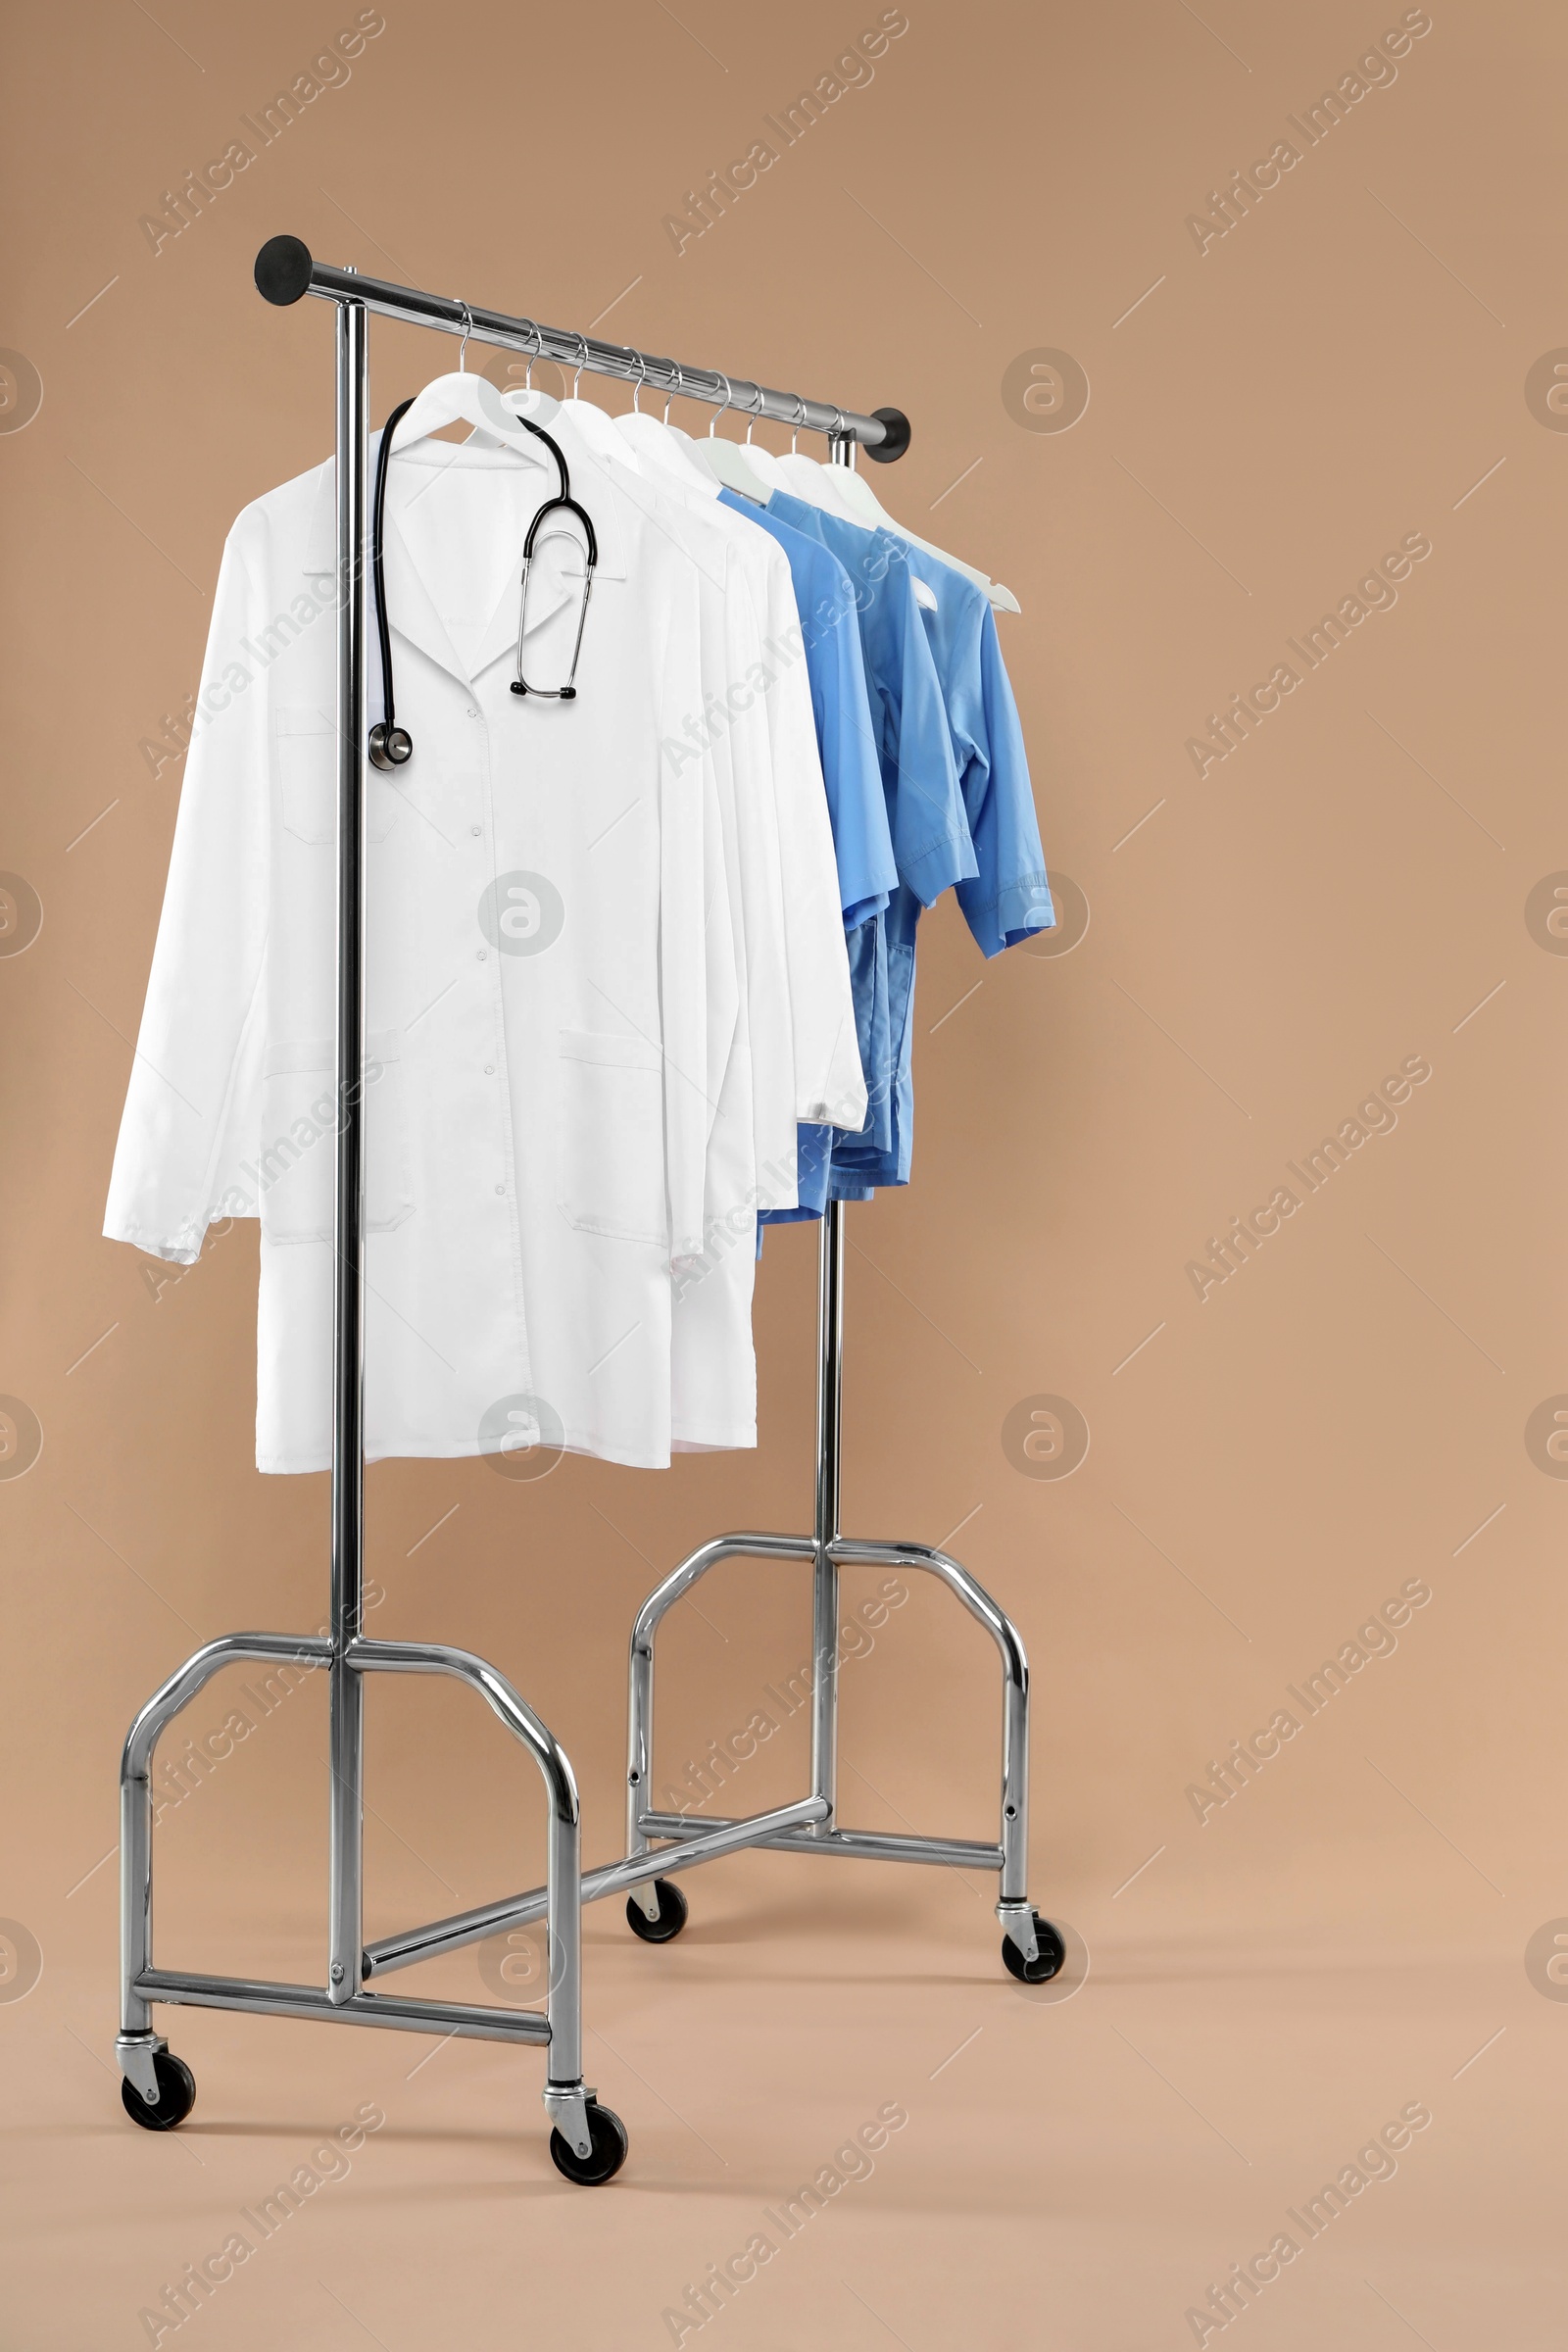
x: 588, y: 2142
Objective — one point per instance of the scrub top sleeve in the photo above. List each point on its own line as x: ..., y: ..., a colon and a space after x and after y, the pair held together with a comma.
x: 930, y: 832
x: 1008, y: 900
x: 193, y: 1114
x: 869, y: 873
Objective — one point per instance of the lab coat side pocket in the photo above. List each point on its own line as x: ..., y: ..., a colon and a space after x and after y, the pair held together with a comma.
x: 611, y: 1136
x: 297, y: 1167
x: 305, y: 753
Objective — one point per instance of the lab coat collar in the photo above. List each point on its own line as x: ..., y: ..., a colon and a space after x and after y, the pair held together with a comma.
x: 661, y: 502
x: 412, y: 614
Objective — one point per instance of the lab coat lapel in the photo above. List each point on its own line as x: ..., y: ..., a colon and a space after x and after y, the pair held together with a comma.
x: 410, y: 611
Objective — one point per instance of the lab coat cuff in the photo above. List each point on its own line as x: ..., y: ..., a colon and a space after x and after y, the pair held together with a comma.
x: 180, y: 1251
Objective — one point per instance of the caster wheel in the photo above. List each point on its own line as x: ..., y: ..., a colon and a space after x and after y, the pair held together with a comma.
x: 176, y: 2095
x: 1039, y: 1971
x: 609, y: 2136
x: 671, y: 1918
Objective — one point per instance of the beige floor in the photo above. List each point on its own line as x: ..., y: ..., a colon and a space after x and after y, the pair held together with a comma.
x: 1072, y: 2174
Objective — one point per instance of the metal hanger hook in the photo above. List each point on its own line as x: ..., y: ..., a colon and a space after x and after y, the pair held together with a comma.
x: 536, y: 353
x: 468, y: 330
x: 750, y: 422
x: 637, y: 388
x: 581, y: 365
x: 679, y: 386
x: 729, y: 402
x: 794, y: 434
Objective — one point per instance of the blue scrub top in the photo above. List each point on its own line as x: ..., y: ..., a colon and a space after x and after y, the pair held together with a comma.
x: 930, y: 836
x: 1010, y: 899
x: 960, y: 811
x: 835, y: 667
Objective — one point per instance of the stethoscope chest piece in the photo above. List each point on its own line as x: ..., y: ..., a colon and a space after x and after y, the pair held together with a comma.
x: 389, y: 747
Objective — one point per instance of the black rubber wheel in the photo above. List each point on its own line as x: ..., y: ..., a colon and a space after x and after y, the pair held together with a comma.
x: 176, y: 2095
x: 1047, y: 1963
x: 609, y: 2136
x: 672, y: 1914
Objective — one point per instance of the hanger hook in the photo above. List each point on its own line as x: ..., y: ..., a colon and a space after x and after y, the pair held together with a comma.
x: 795, y: 433
x: 581, y: 364
x: 468, y: 330
x: 729, y: 402
x: 678, y: 386
x: 756, y: 412
x: 637, y: 388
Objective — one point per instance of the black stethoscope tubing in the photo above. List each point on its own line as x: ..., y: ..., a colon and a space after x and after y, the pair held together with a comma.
x: 391, y: 745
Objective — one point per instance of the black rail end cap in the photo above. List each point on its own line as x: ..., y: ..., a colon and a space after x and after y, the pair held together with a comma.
x: 283, y: 270
x: 893, y: 443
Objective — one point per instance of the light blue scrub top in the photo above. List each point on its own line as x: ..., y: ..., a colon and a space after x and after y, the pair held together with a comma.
x: 1008, y: 899
x: 835, y: 667
x: 928, y: 821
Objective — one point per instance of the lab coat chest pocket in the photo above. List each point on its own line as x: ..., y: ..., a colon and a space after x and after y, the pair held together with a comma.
x: 304, y: 744
x: 298, y: 1156
x: 612, y: 1136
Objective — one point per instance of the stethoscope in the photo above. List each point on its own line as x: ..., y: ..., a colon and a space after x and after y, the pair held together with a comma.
x: 391, y: 745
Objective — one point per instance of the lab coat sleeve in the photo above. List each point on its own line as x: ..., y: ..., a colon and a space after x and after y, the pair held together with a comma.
x: 192, y: 1108
x: 685, y: 794
x: 829, y: 1083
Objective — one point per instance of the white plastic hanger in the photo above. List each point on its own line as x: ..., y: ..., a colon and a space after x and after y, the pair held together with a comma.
x: 762, y: 462
x: 840, y: 490
x: 655, y: 448
x: 761, y: 465
x: 598, y: 430
x: 725, y: 460
x: 460, y: 398
x: 818, y: 486
x: 862, y: 502
x: 804, y: 478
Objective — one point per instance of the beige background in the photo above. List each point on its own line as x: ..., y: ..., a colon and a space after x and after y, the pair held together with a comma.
x: 1268, y: 417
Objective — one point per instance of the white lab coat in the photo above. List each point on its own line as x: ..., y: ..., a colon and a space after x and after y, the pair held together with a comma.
x: 551, y: 974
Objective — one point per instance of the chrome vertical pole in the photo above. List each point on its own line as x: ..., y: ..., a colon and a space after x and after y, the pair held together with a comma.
x: 829, y: 1453
x: 824, y: 1573
x: 346, y: 1693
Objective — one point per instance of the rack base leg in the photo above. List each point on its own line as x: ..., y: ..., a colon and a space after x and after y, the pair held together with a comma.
x: 1032, y: 1948
x: 588, y: 2142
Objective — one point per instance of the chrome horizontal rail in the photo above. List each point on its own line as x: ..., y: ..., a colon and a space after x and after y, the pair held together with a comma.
x: 360, y: 2009
x: 287, y: 270
x: 856, y: 1845
x: 713, y: 1838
